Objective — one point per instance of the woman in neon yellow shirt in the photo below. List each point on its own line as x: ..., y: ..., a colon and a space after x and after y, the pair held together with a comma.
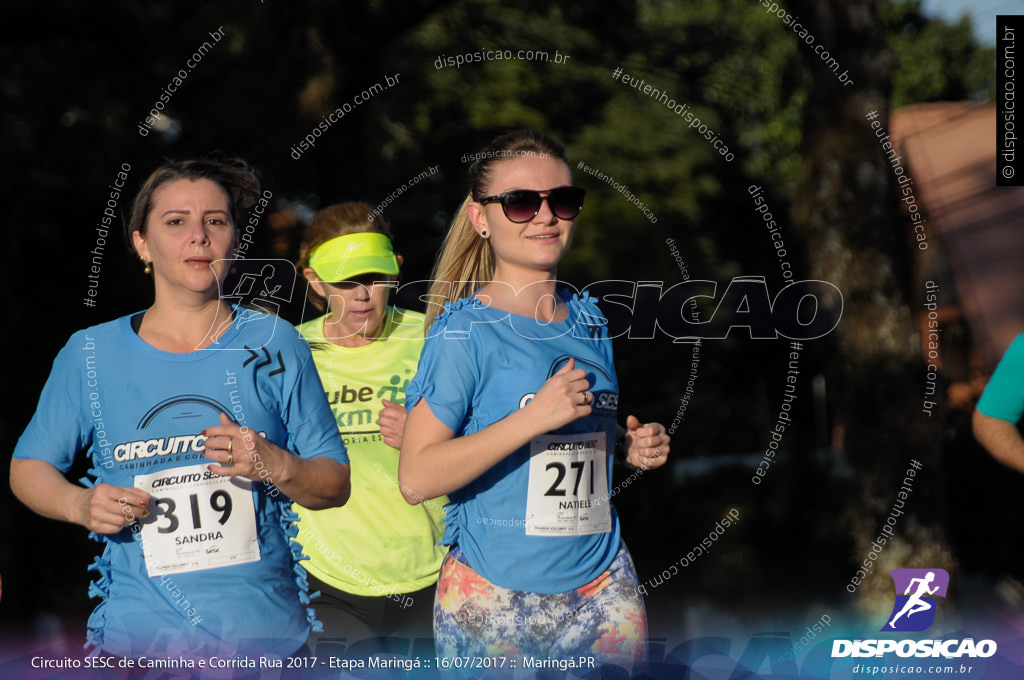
x: 376, y: 560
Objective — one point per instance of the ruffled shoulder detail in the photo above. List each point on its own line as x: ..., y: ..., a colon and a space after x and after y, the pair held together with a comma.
x: 583, y: 310
x: 450, y: 320
x: 453, y: 306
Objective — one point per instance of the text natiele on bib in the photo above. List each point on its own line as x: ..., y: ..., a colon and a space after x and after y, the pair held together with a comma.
x: 568, y: 472
x: 198, y: 520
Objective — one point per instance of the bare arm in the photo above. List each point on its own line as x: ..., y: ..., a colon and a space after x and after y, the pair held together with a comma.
x: 433, y: 462
x: 1001, y: 439
x: 314, y: 483
x: 105, y: 508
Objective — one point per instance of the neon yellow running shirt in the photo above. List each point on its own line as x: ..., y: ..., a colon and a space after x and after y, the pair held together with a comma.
x: 376, y: 544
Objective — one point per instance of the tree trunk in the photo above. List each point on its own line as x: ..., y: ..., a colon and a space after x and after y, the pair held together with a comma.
x: 846, y: 208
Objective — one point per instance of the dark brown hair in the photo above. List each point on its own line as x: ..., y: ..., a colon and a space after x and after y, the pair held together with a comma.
x: 233, y: 175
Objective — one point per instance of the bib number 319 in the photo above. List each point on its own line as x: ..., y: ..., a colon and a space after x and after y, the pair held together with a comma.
x: 568, y: 488
x: 199, y: 520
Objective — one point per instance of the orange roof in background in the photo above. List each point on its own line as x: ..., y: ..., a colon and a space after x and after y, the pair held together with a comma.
x: 950, y: 151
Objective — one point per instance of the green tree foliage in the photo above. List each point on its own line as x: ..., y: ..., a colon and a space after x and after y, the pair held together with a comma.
x: 938, y: 60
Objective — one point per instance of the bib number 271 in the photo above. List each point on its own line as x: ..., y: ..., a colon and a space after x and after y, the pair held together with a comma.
x: 576, y: 466
x: 568, y: 488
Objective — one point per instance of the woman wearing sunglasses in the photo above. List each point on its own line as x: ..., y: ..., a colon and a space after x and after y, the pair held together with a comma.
x: 374, y: 561
x: 513, y: 415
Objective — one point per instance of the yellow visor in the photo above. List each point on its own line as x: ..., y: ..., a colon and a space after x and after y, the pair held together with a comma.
x: 352, y: 255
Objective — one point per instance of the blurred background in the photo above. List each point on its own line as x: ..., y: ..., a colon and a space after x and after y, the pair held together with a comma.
x: 78, y: 81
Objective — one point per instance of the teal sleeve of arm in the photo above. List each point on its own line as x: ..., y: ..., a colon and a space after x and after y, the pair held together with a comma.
x: 1004, y: 395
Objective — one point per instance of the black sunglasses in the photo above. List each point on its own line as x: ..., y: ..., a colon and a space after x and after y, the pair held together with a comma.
x: 522, y: 205
x: 365, y: 280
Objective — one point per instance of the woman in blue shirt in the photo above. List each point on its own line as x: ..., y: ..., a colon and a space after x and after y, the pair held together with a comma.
x: 513, y: 415
x: 197, y: 449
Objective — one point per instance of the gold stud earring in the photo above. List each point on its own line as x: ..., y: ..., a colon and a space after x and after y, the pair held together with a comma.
x: 147, y: 269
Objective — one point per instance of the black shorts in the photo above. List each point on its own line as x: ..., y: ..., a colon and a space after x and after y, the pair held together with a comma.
x: 360, y: 626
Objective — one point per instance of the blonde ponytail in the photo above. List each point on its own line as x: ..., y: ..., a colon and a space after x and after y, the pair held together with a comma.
x: 465, y: 263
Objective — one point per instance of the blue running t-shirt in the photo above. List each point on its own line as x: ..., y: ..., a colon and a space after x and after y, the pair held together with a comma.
x: 540, y: 519
x: 211, y: 571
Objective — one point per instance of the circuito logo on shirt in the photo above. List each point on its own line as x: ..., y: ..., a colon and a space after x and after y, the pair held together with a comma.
x: 604, y: 400
x: 916, y: 593
x: 172, y: 412
x: 914, y: 610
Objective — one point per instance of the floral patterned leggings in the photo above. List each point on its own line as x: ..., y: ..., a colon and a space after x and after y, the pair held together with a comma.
x: 600, y: 623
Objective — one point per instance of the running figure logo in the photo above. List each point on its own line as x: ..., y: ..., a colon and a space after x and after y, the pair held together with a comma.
x: 915, y: 608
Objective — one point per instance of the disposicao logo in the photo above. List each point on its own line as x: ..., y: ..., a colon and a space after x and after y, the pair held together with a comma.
x: 915, y: 609
x: 917, y: 591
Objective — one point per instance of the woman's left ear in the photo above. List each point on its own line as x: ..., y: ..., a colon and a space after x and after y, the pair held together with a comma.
x: 476, y: 216
x: 400, y: 260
